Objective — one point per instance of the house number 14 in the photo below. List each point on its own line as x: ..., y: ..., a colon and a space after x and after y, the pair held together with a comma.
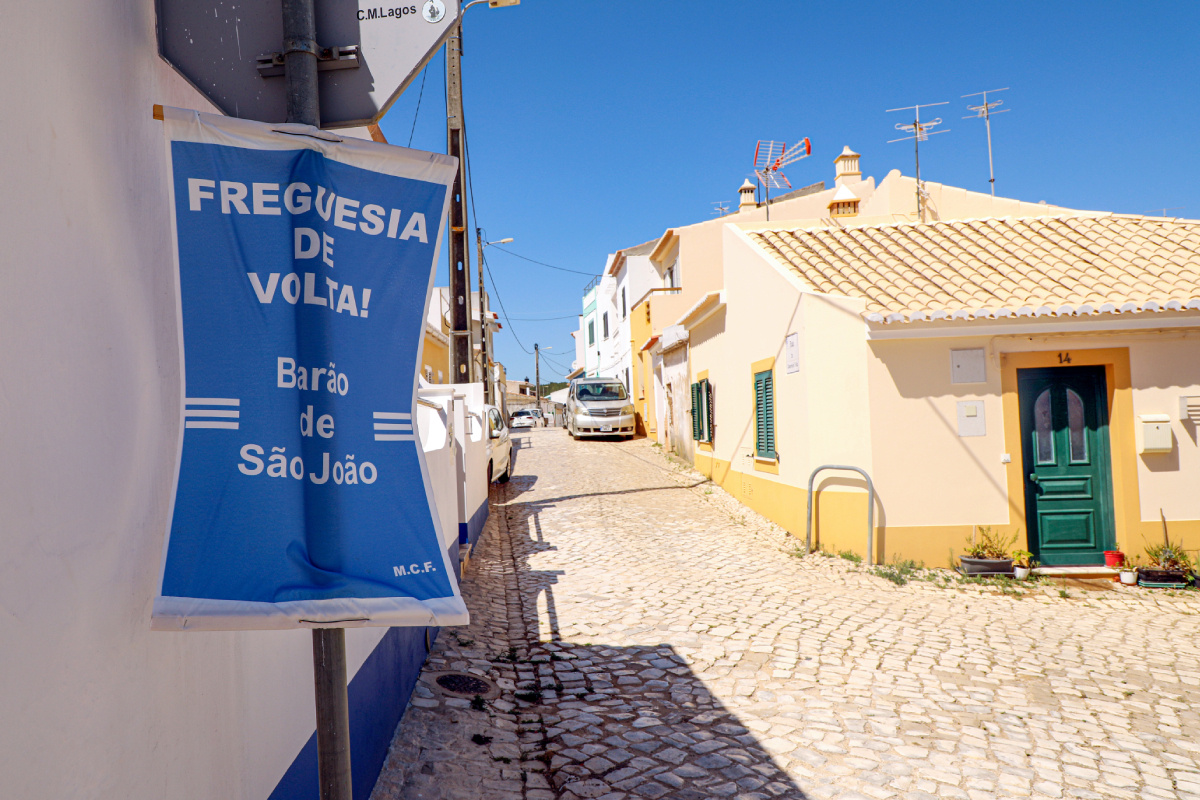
x: 1064, y: 358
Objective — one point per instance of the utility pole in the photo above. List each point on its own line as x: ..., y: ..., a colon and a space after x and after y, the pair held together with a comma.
x: 537, y: 376
x: 484, y: 332
x: 329, y: 644
x: 460, y: 284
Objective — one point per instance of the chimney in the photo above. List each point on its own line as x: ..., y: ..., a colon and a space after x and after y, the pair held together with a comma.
x: 845, y: 168
x: 746, y: 196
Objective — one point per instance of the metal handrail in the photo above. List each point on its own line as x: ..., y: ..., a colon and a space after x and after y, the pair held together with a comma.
x: 870, y: 508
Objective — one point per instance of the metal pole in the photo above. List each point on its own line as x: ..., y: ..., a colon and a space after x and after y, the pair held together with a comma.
x: 484, y: 350
x: 300, y: 62
x: 333, y: 713
x: 329, y: 644
x: 917, y: 154
x: 987, y: 121
x: 870, y: 509
x: 460, y: 286
x: 537, y: 376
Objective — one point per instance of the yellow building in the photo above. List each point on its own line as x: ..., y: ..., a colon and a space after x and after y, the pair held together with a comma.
x: 1038, y: 375
x: 847, y: 331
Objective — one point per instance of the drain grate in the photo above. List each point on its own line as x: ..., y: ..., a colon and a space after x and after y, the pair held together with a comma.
x: 465, y: 685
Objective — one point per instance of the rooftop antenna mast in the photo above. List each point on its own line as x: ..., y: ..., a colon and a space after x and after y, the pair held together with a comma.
x: 720, y: 207
x: 770, y: 158
x: 1165, y: 210
x: 920, y: 132
x: 985, y: 111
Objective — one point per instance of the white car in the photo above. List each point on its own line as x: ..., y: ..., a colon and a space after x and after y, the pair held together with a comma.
x: 525, y: 418
x: 599, y: 407
x: 499, y: 446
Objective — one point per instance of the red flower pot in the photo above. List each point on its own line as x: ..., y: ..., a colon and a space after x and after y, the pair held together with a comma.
x: 1114, y: 558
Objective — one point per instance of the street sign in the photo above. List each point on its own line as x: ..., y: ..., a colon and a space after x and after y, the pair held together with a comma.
x: 370, y: 52
x: 304, y: 266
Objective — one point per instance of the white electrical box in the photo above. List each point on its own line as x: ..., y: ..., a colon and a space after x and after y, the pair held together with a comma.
x: 970, y: 418
x: 968, y: 366
x: 1156, y: 433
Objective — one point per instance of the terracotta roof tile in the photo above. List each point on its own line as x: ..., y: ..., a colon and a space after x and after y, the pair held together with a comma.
x: 1000, y: 267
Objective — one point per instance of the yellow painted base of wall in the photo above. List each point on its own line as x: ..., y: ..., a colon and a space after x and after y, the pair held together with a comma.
x: 840, y: 521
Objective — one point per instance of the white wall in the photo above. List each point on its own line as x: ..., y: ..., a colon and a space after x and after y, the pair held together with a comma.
x: 95, y: 705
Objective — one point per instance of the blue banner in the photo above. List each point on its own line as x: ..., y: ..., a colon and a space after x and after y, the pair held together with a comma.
x: 305, y: 263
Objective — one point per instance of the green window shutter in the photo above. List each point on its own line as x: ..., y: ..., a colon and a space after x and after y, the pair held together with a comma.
x: 696, y: 411
x: 708, y: 409
x: 764, y: 414
x: 705, y: 406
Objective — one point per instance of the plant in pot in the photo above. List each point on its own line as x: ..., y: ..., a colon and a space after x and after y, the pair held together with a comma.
x: 1023, y: 564
x: 987, y: 553
x: 1169, y: 564
x: 1113, y: 559
x: 1129, y: 571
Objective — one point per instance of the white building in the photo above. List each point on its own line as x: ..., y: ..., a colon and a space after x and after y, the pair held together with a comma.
x: 95, y: 703
x: 603, y: 342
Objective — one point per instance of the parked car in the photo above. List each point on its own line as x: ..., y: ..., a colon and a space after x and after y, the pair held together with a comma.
x: 525, y: 418
x: 599, y: 407
x: 499, y: 446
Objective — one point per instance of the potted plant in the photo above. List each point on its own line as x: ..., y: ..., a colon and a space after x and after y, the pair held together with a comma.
x: 987, y: 553
x: 1114, y: 558
x: 1169, y: 564
x: 1129, y: 571
x: 1023, y: 564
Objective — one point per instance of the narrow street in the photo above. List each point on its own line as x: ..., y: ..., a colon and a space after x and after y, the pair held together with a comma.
x: 650, y: 637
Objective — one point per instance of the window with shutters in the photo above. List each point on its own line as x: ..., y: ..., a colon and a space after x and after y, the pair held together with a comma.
x: 591, y: 331
x: 605, y: 319
x: 764, y: 414
x: 702, y: 424
x: 624, y: 310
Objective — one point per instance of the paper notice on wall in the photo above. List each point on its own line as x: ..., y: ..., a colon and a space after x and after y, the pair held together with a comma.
x: 304, y: 266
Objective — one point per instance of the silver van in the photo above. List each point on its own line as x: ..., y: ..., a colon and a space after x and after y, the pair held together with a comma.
x: 599, y: 407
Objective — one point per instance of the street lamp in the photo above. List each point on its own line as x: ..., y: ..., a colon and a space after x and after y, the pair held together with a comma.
x: 491, y: 4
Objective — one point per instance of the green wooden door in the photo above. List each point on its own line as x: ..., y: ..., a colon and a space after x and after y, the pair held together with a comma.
x: 1065, y: 452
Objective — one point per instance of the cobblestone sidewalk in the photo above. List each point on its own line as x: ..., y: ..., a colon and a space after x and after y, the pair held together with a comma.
x: 651, y: 637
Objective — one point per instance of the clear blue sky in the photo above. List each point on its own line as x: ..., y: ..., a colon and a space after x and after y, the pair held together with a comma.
x: 597, y: 125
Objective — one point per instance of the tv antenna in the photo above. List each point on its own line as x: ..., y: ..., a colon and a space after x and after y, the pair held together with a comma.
x: 1165, y: 210
x: 985, y: 112
x: 920, y: 133
x: 769, y: 160
x: 720, y: 207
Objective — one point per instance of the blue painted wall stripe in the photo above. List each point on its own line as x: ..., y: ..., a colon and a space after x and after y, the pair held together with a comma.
x: 378, y: 694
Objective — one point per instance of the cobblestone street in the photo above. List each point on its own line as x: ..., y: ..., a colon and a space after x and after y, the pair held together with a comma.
x: 650, y: 637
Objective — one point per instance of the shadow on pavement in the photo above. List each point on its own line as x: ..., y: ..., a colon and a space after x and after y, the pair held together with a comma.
x: 636, y: 720
x: 618, y: 721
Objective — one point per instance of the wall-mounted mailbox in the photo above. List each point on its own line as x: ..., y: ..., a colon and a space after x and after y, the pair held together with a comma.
x: 1156, y: 433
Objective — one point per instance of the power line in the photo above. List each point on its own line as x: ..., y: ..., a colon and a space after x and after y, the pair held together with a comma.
x: 483, y: 259
x: 543, y: 263
x: 551, y: 359
x: 417, y: 113
x: 544, y: 319
x: 500, y: 300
